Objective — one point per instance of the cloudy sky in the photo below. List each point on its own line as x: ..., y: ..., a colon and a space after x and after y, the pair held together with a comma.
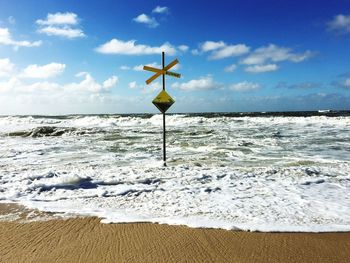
x: 61, y: 57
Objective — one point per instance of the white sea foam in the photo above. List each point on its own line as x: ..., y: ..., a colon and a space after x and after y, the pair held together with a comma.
x: 248, y: 173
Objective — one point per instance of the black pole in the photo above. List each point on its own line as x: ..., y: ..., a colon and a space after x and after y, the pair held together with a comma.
x: 164, y: 150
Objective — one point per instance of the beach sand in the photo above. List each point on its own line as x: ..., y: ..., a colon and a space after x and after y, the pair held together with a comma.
x: 87, y: 240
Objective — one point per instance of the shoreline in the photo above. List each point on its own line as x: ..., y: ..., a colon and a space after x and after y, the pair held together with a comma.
x: 85, y: 239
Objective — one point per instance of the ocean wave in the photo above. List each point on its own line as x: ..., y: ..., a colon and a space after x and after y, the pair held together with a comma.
x: 271, y: 173
x: 46, y: 131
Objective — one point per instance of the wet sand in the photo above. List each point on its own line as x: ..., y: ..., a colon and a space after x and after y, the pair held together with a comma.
x: 87, y: 240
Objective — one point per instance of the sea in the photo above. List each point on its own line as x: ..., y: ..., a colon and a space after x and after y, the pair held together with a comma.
x: 267, y: 171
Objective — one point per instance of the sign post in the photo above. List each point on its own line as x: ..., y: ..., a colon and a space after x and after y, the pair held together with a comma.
x: 164, y: 144
x: 163, y: 101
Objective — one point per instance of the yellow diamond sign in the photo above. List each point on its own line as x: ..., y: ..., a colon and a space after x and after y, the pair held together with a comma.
x: 163, y: 101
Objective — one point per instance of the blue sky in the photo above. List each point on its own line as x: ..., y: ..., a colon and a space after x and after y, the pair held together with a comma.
x: 61, y: 57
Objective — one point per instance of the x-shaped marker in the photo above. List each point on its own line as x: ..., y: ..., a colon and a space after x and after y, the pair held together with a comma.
x: 162, y: 71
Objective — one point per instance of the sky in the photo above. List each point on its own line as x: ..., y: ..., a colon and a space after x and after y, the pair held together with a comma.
x: 86, y: 57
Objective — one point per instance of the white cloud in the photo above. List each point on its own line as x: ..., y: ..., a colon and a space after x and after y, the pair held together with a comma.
x: 345, y: 83
x: 230, y: 68
x: 67, y: 18
x: 212, y: 45
x: 140, y: 67
x: 152, y: 88
x: 203, y: 83
x: 244, y: 86
x: 124, y: 67
x: 17, y: 83
x: 229, y: 51
x: 220, y: 49
x: 132, y: 85
x: 147, y: 20
x: 116, y: 46
x: 110, y: 83
x: 62, y: 31
x: 340, y: 24
x: 89, y: 84
x: 183, y: 48
x: 24, y: 96
x: 261, y: 68
x: 145, y: 89
x: 39, y: 87
x: 153, y: 65
x: 6, y: 39
x: 16, y: 86
x: 161, y: 10
x: 43, y: 72
x: 6, y: 67
x: 60, y: 24
x: 195, y: 52
x: 176, y: 67
x: 81, y: 74
x: 9, y: 85
x: 274, y: 53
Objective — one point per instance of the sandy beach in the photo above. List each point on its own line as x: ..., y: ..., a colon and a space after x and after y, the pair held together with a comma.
x: 87, y: 240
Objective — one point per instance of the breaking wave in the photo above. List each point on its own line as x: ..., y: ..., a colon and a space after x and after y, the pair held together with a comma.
x: 252, y: 171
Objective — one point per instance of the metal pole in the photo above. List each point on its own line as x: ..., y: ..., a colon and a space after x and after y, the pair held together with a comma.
x: 164, y: 149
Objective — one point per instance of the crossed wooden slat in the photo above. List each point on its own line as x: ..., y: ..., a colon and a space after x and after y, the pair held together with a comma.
x: 159, y: 72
